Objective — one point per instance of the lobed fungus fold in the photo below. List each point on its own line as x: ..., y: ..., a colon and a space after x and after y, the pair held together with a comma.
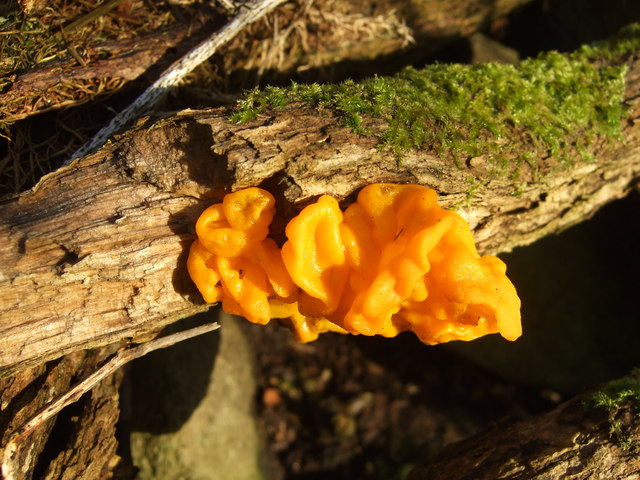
x: 392, y: 261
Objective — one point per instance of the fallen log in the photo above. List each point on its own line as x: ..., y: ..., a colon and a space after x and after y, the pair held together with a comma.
x: 94, y: 254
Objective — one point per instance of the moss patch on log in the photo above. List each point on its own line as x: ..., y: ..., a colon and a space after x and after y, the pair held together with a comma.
x: 557, y: 104
x: 614, y: 396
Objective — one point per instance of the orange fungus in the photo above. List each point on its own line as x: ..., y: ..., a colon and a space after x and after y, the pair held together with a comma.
x: 392, y: 261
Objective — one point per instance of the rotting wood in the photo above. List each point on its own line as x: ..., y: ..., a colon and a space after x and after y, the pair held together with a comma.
x: 95, y: 253
x: 89, y: 444
x: 17, y: 446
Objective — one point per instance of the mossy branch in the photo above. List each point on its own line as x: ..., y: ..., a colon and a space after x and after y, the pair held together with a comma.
x: 559, y: 104
x: 95, y: 253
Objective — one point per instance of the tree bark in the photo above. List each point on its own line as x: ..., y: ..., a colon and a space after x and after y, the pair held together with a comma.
x: 95, y: 253
x: 571, y: 442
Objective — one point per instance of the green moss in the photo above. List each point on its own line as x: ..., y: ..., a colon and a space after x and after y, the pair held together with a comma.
x: 627, y: 41
x: 25, y: 42
x: 557, y: 103
x: 614, y: 395
x: 617, y: 392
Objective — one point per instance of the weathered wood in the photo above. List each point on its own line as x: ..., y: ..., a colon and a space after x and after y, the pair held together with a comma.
x: 90, y: 451
x: 251, y: 12
x: 81, y: 442
x: 95, y: 252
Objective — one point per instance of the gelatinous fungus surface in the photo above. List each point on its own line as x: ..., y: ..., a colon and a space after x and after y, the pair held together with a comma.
x: 393, y: 261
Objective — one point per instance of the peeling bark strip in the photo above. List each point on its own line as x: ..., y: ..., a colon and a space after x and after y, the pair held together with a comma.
x: 95, y: 253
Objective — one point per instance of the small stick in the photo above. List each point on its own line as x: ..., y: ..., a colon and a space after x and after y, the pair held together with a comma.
x: 229, y: 5
x: 95, y: 13
x: 248, y: 14
x: 120, y: 359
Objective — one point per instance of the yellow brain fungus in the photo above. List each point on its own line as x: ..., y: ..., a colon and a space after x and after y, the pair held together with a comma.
x: 233, y: 260
x: 393, y: 261
x: 314, y: 256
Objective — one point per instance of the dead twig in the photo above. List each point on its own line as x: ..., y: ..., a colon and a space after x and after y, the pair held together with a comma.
x: 230, y: 5
x: 9, y: 457
x: 106, y: 7
x: 247, y: 14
